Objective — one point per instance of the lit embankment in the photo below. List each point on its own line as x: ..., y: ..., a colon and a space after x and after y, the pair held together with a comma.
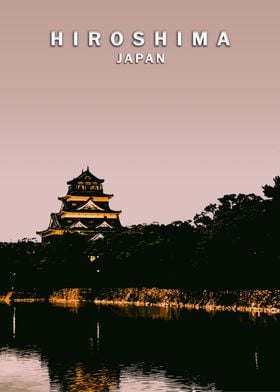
x: 267, y: 301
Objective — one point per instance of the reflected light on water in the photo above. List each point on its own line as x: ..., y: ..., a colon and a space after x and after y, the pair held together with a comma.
x: 22, y: 372
x: 133, y: 380
x: 256, y: 360
x: 14, y: 322
x: 134, y: 349
x: 97, y: 331
x: 100, y: 380
x: 147, y: 312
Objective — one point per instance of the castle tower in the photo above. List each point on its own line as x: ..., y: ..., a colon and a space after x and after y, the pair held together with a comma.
x: 84, y: 210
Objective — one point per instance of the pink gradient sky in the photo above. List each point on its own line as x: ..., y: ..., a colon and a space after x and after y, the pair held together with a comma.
x: 168, y: 139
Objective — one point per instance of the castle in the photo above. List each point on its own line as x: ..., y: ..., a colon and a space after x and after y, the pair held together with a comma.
x: 84, y: 210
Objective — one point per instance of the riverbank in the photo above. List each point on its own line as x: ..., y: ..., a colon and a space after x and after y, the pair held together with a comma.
x: 258, y: 301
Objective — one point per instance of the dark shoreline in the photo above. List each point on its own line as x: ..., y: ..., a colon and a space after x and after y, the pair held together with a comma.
x: 256, y: 301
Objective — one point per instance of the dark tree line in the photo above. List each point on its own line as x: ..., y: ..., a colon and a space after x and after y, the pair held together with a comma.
x: 233, y: 243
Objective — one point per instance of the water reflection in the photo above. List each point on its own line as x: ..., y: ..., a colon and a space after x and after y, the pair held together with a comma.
x: 148, y: 312
x: 89, y: 348
x: 138, y: 378
x: 14, y: 322
x: 23, y: 371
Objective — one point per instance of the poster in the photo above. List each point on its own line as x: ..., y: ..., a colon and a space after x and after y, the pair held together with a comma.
x: 174, y: 104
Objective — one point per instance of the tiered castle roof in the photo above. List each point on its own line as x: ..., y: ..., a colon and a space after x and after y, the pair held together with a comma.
x: 84, y: 209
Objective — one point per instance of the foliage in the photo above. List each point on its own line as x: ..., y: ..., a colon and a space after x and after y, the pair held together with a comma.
x: 233, y: 243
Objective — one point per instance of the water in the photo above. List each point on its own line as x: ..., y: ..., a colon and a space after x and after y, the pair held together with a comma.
x: 88, y: 348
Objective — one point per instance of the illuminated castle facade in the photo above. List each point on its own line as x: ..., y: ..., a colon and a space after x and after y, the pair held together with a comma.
x: 84, y: 210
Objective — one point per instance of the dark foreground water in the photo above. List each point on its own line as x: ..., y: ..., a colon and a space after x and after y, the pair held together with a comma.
x: 89, y: 348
